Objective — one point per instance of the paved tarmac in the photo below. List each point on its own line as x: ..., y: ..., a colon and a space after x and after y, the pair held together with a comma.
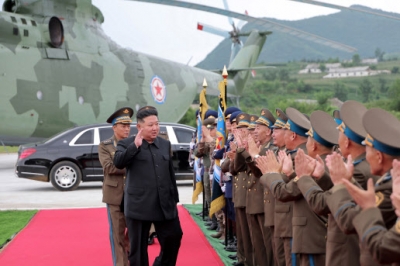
x: 20, y: 193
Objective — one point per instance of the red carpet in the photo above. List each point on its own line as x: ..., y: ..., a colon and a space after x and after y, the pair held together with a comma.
x: 80, y: 237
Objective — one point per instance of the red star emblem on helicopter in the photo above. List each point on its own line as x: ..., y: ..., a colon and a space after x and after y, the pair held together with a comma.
x: 158, y: 89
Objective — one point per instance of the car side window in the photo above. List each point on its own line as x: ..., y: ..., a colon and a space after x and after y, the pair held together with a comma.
x: 183, y: 135
x: 105, y: 133
x: 86, y: 138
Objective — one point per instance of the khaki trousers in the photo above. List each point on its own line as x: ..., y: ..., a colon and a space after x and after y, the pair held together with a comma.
x: 119, y: 243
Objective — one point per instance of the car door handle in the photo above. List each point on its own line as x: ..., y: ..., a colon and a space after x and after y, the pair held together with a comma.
x: 183, y: 148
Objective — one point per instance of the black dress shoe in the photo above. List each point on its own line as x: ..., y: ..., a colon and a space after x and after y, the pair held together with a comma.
x: 230, y: 248
x: 232, y: 257
x: 208, y: 223
x: 212, y: 227
x: 238, y: 264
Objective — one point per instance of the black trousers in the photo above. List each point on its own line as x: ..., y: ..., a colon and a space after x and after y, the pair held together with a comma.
x: 169, y: 234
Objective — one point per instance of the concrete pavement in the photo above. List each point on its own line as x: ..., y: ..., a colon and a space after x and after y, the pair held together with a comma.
x: 20, y: 193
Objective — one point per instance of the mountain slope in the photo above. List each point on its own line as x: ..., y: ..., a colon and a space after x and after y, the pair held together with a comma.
x: 362, y: 31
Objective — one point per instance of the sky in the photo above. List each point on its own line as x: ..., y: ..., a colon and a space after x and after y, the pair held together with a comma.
x: 171, y: 32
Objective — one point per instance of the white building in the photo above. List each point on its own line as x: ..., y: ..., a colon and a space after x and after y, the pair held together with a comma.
x: 354, y: 72
x: 370, y: 61
x: 311, y: 68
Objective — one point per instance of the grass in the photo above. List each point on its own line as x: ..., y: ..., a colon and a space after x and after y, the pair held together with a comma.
x: 8, y: 149
x: 12, y: 222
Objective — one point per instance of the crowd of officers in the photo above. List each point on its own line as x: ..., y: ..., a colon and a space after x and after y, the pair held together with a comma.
x: 306, y: 190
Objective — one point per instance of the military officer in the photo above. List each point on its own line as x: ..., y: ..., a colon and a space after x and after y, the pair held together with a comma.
x: 341, y: 249
x: 260, y: 203
x: 113, y: 184
x: 245, y: 249
x: 382, y: 243
x: 283, y: 210
x: 206, y: 163
x: 382, y: 147
x: 309, y: 229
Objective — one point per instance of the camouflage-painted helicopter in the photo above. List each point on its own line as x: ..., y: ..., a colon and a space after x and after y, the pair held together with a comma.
x: 58, y: 69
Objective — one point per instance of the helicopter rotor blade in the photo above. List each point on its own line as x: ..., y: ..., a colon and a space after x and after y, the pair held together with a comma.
x: 230, y: 20
x: 265, y: 23
x: 213, y: 30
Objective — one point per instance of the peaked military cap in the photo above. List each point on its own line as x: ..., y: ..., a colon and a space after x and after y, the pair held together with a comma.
x: 297, y: 122
x: 211, y: 113
x: 230, y: 110
x: 210, y: 122
x: 266, y: 118
x: 336, y: 116
x: 383, y: 130
x: 281, y: 119
x: 145, y: 112
x: 323, y: 129
x: 233, y: 116
x: 253, y: 120
x: 352, y: 113
x: 121, y: 116
x: 243, y: 120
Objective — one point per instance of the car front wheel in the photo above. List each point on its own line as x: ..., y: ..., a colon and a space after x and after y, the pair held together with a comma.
x: 65, y: 176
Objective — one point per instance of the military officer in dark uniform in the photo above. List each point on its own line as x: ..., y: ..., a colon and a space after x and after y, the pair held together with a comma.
x: 151, y: 193
x: 113, y: 184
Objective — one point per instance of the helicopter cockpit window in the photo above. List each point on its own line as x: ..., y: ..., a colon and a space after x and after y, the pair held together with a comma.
x: 56, y: 30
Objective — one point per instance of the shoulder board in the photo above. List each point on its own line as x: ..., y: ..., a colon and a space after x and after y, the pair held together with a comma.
x: 107, y: 141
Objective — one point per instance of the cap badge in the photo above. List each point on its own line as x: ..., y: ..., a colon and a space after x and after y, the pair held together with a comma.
x: 126, y: 111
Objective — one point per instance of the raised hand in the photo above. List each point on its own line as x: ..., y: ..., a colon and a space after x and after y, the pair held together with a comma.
x: 238, y: 138
x: 286, y: 161
x: 233, y: 146
x: 395, y: 197
x: 304, y: 166
x: 319, y: 169
x: 231, y: 154
x: 138, y: 139
x: 253, y: 148
x: 364, y: 198
x: 262, y: 164
x: 273, y: 164
x: 339, y: 169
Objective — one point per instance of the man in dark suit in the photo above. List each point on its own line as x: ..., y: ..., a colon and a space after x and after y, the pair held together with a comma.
x: 151, y: 193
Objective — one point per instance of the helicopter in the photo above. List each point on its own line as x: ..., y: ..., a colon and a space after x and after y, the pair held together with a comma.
x: 61, y: 70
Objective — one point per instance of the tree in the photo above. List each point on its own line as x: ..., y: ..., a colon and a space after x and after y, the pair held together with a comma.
x: 394, y: 95
x: 383, y: 88
x: 340, y: 91
x: 366, y: 89
x: 189, y: 118
x: 322, y: 67
x: 379, y: 54
x: 356, y: 59
x: 323, y: 97
x: 283, y: 75
x: 395, y: 70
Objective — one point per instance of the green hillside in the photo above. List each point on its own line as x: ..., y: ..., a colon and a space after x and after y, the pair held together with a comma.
x: 283, y: 87
x: 362, y: 31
